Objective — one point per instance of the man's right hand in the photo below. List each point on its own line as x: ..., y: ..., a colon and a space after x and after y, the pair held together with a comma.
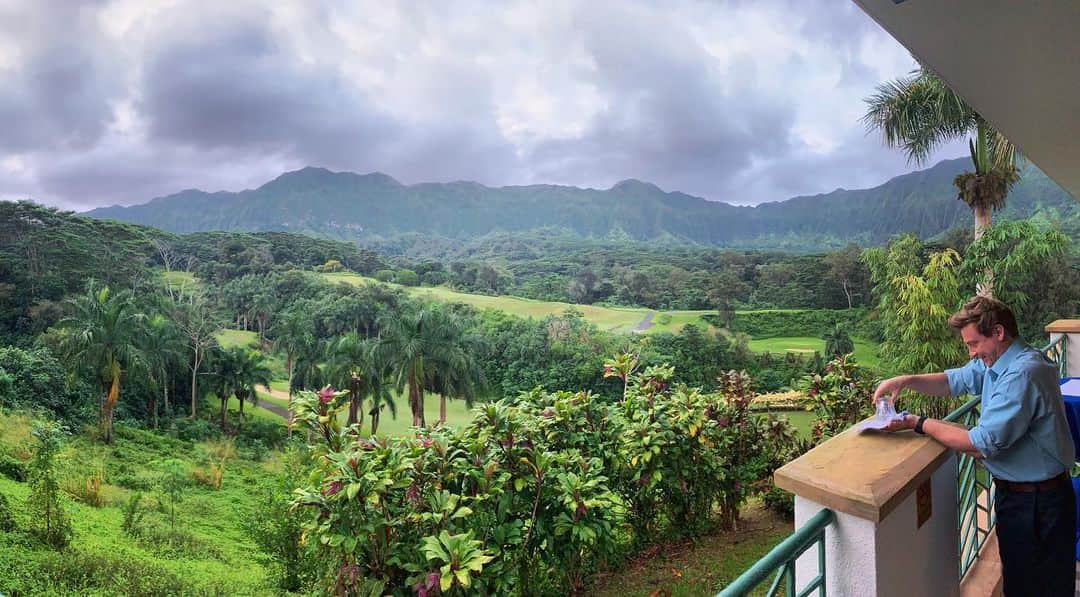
x: 891, y: 387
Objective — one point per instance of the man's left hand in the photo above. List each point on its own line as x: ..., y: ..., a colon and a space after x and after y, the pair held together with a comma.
x: 901, y: 424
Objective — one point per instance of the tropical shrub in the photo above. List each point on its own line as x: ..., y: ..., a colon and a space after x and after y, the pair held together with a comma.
x: 535, y: 493
x: 7, y: 521
x: 12, y: 469
x: 840, y: 397
x: 50, y: 521
x: 278, y: 529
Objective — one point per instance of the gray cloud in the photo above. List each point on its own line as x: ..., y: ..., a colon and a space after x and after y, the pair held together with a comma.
x: 119, y: 101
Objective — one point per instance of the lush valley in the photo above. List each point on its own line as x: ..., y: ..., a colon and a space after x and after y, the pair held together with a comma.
x: 540, y: 437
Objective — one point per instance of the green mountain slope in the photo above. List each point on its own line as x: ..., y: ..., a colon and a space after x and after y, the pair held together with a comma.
x: 348, y: 206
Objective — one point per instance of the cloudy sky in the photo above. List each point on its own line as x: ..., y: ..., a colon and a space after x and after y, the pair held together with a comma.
x: 105, y: 102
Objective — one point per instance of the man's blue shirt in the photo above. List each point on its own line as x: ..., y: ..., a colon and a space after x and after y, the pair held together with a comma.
x: 1022, y: 432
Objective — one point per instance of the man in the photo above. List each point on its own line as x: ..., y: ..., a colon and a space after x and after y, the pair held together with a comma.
x: 1022, y: 437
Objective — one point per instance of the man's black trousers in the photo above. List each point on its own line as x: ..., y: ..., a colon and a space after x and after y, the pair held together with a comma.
x: 1037, y: 540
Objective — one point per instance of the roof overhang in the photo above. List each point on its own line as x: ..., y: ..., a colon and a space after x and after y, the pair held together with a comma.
x: 1016, y: 63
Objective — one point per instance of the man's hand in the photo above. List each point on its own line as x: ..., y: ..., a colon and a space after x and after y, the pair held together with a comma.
x: 891, y: 387
x: 902, y: 423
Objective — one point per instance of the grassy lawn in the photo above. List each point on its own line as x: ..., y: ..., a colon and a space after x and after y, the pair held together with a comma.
x: 179, y: 279
x: 686, y: 568
x: 865, y: 351
x: 457, y: 414
x: 231, y: 338
x: 249, y: 411
x: 614, y: 319
x: 803, y: 420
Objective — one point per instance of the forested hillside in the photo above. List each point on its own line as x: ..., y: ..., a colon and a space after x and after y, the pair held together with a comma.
x: 373, y: 207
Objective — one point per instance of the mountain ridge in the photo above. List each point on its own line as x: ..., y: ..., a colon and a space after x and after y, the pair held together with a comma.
x: 374, y: 206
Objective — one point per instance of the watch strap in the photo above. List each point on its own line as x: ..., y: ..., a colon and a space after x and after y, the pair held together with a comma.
x: 919, y: 424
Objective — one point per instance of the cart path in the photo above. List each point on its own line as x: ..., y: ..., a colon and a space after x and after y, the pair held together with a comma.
x: 644, y: 324
x: 280, y: 411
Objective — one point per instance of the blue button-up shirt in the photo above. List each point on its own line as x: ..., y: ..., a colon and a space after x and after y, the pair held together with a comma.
x: 1022, y: 433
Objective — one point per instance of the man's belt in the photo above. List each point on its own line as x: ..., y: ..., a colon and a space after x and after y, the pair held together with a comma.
x: 1031, y: 487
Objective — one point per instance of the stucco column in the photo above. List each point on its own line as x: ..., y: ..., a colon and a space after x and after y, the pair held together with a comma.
x: 894, y: 496
x: 1071, y: 329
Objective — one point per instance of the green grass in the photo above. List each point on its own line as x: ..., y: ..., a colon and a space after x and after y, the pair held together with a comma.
x: 249, y: 411
x: 180, y: 279
x: 457, y: 414
x: 702, y: 567
x: 614, y: 319
x: 213, y: 555
x: 231, y: 338
x: 865, y: 351
x: 803, y: 420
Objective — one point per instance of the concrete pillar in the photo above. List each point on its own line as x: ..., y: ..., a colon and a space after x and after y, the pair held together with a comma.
x: 894, y: 496
x: 1071, y: 329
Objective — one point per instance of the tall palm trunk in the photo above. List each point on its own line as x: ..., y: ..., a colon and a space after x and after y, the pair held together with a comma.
x: 416, y: 402
x: 354, y: 401
x: 442, y: 410
x: 110, y: 404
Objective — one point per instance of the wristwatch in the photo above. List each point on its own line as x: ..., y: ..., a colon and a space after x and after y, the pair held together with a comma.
x: 918, y: 425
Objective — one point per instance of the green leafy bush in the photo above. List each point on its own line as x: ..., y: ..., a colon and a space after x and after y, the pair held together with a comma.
x: 809, y: 322
x: 840, y: 396
x: 535, y: 493
x: 7, y: 521
x: 12, y: 469
x: 50, y: 520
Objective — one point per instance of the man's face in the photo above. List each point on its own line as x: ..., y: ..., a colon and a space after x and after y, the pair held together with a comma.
x: 985, y: 348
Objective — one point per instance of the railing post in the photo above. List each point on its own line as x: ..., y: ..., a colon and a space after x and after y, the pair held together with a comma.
x: 894, y: 496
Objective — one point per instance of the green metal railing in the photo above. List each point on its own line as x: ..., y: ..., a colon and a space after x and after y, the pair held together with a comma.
x: 781, y: 561
x: 1055, y: 351
x: 974, y: 494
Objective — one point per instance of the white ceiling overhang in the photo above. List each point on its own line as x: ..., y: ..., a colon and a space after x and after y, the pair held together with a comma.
x: 1016, y: 62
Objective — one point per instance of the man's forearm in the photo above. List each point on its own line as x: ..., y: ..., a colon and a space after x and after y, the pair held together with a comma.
x: 931, y: 384
x: 951, y: 436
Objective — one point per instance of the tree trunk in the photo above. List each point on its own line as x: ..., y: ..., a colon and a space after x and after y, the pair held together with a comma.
x: 153, y: 409
x: 847, y: 293
x: 241, y: 397
x: 442, y: 410
x: 354, y: 399
x: 167, y: 383
x: 110, y: 404
x: 224, y: 407
x: 983, y: 219
x: 289, y: 368
x: 374, y: 421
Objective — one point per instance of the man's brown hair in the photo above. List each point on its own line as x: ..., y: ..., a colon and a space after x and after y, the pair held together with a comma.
x: 985, y: 313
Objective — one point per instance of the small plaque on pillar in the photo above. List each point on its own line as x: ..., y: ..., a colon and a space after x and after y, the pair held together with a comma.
x: 924, y: 503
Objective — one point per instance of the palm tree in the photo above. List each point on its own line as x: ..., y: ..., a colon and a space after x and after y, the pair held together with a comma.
x: 102, y: 332
x: 161, y: 344
x: 426, y: 349
x: 355, y: 362
x: 237, y: 371
x: 920, y: 112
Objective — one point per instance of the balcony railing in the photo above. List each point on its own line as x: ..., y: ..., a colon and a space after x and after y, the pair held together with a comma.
x: 974, y: 494
x: 975, y: 499
x: 1055, y: 351
x: 781, y: 562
